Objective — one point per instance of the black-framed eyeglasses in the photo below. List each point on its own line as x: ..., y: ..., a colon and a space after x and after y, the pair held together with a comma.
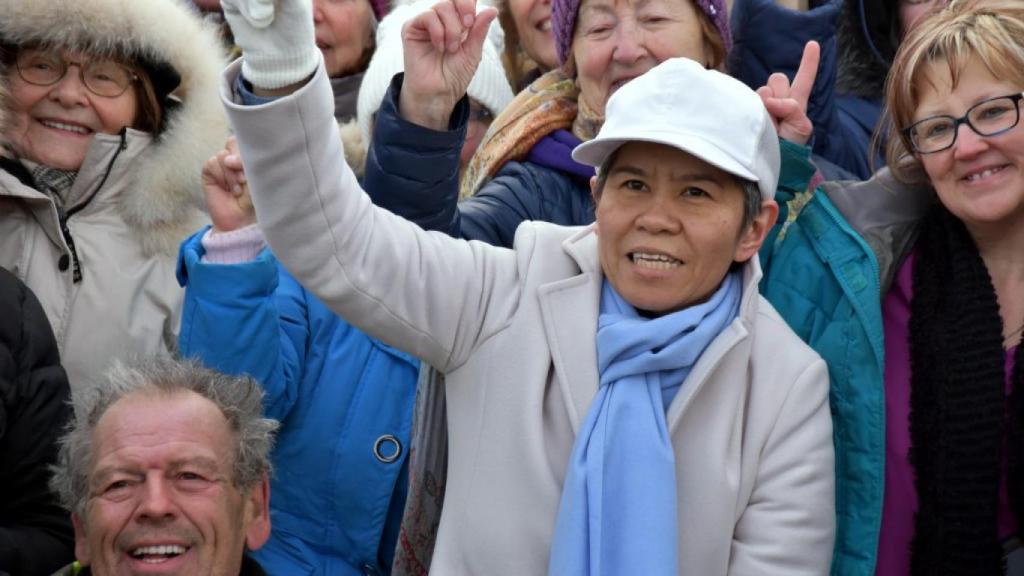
x: 101, y: 76
x: 987, y: 118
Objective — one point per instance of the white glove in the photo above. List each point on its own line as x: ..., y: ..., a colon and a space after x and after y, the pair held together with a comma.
x: 277, y: 40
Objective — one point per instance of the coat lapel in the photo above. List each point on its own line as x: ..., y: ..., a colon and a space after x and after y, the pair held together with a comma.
x: 569, y: 309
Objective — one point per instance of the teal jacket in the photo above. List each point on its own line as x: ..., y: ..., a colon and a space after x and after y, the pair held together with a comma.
x: 823, y: 278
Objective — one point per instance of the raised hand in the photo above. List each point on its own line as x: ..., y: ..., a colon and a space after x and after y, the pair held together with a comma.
x: 227, y: 193
x: 277, y: 40
x: 787, y: 103
x: 442, y: 49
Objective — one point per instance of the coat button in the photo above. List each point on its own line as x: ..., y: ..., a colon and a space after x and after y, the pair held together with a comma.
x: 63, y: 263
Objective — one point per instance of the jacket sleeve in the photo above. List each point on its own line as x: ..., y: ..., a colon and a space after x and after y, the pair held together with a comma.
x: 769, y: 38
x: 245, y: 318
x: 789, y: 524
x: 35, y: 532
x: 414, y: 171
x: 521, y: 192
x: 422, y: 292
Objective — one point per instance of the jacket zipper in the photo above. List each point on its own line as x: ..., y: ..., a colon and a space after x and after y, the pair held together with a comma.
x: 76, y: 265
x: 62, y: 216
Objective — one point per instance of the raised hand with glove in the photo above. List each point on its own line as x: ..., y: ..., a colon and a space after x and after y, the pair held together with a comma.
x: 277, y: 41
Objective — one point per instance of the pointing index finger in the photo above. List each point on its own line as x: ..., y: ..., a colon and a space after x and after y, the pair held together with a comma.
x: 803, y: 82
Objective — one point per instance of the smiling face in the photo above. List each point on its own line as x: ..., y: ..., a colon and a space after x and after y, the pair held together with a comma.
x: 344, y: 34
x: 53, y: 125
x: 532, y: 19
x: 161, y: 496
x: 669, y: 227
x: 618, y: 40
x: 980, y: 180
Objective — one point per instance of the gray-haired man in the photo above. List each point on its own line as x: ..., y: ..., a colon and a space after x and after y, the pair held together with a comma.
x: 165, y: 470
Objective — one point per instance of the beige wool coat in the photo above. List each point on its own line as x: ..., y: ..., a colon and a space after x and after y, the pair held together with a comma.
x: 515, y: 332
x: 135, y: 198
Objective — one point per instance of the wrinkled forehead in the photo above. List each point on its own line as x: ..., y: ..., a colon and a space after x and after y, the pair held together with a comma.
x: 599, y: 7
x: 174, y: 422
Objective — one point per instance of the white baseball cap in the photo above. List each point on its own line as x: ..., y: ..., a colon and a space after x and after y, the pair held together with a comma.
x: 703, y: 112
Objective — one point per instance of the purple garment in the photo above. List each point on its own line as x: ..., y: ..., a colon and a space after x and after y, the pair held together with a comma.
x: 555, y: 151
x: 900, y: 502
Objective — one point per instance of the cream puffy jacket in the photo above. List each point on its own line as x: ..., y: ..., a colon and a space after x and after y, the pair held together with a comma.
x: 135, y: 197
x: 515, y: 331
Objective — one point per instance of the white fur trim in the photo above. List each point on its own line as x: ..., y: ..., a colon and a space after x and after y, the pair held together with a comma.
x: 167, y: 194
x: 356, y: 147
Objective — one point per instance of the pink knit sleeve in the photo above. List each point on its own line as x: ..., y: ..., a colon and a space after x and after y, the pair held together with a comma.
x: 234, y: 247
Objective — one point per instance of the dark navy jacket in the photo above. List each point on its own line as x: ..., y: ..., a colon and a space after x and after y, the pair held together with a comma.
x: 421, y: 182
x: 768, y: 38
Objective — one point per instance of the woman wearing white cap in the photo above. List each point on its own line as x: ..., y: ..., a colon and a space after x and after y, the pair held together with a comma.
x: 620, y: 398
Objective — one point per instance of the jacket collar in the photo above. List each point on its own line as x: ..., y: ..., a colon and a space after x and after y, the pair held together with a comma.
x: 570, y: 309
x: 114, y: 176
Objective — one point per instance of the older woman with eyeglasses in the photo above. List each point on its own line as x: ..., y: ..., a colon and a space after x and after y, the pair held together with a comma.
x: 109, y: 114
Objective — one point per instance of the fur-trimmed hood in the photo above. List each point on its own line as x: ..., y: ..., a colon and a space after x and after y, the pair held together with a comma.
x: 356, y: 148
x: 867, y: 39
x: 165, y: 197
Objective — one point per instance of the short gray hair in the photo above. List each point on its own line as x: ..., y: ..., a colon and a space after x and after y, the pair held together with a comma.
x: 240, y: 400
x: 752, y: 200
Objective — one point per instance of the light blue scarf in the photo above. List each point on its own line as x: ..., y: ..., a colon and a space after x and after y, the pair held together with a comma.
x: 618, y: 509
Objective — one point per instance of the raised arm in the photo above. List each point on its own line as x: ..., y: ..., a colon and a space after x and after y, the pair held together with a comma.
x: 414, y: 172
x: 421, y: 292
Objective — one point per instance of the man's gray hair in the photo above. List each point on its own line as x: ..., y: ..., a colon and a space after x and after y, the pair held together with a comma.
x: 238, y: 398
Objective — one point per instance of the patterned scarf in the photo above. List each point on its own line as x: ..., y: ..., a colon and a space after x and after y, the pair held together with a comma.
x: 958, y: 418
x: 51, y: 181
x: 551, y: 103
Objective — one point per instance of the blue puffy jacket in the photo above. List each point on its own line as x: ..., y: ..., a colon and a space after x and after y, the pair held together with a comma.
x: 344, y: 401
x: 823, y: 279
x: 769, y: 38
x: 413, y: 172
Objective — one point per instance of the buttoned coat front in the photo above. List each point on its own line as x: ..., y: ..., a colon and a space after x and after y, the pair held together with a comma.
x: 515, y: 332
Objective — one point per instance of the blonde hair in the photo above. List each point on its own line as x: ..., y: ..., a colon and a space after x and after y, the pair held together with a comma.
x: 991, y: 31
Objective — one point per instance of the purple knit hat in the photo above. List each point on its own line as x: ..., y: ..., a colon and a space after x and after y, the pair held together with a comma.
x: 563, y: 21
x: 380, y: 8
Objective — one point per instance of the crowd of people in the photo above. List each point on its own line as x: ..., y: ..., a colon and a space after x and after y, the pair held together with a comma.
x: 565, y: 287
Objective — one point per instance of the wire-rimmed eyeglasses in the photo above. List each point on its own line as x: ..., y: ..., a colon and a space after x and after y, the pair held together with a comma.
x: 101, y: 76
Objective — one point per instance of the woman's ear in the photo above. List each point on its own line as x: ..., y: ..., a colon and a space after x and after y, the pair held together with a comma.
x: 753, y: 237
